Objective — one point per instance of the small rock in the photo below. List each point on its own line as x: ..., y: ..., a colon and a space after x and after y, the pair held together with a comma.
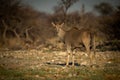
x: 70, y: 75
x: 53, y: 60
x: 84, y: 63
x: 36, y: 76
x: 38, y: 57
x: 74, y: 75
x: 62, y: 53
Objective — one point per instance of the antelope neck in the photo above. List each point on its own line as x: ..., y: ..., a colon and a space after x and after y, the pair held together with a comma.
x: 61, y: 33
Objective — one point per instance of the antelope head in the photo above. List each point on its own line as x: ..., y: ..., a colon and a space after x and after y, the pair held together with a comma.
x: 59, y: 28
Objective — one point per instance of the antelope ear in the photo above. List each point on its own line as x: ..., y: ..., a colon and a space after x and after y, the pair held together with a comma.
x: 53, y: 24
x: 62, y: 24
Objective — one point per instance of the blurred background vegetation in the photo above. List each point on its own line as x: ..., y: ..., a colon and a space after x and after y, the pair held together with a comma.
x: 22, y: 27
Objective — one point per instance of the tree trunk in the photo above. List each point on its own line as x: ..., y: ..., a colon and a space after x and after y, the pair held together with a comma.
x: 16, y: 34
x: 5, y: 31
x: 27, y: 34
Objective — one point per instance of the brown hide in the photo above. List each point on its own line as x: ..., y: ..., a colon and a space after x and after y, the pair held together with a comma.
x: 72, y: 38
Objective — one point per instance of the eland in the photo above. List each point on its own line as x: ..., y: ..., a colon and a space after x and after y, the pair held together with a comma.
x: 72, y: 38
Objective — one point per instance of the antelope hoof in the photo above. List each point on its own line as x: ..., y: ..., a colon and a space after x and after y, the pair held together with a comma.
x: 67, y: 65
x: 73, y: 65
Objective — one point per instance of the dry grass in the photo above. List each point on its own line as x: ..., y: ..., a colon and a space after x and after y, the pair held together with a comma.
x: 50, y: 65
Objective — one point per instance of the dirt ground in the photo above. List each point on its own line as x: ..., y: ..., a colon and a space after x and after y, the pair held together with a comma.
x: 50, y: 65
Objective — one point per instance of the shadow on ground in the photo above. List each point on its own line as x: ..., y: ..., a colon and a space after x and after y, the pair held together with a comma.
x: 62, y: 64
